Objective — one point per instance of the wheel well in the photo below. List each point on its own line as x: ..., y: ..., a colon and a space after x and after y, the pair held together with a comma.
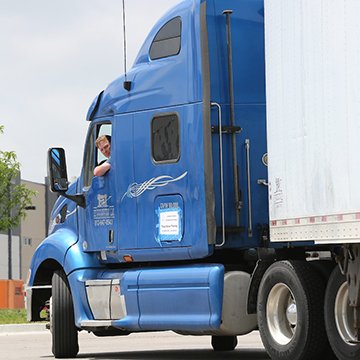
x: 45, y: 272
x: 40, y: 295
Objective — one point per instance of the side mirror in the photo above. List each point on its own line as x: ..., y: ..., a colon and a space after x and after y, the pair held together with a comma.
x: 57, y: 172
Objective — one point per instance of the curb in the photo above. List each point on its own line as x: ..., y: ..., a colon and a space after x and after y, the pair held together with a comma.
x: 22, y: 328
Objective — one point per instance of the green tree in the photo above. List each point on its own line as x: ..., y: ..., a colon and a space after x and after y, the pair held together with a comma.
x: 14, y: 198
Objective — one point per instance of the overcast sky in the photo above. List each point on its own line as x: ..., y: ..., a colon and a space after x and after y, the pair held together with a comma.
x: 55, y: 57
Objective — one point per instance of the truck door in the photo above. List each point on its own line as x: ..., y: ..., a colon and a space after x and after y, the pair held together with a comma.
x: 164, y: 201
x: 97, y: 220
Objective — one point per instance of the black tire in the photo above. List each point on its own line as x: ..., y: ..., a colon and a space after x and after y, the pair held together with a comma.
x: 290, y: 312
x: 324, y: 268
x: 339, y: 326
x: 64, y: 332
x: 223, y: 343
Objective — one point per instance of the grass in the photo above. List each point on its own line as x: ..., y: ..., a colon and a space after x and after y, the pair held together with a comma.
x: 13, y: 316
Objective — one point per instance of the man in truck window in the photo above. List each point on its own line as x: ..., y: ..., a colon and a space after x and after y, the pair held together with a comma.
x: 103, y: 143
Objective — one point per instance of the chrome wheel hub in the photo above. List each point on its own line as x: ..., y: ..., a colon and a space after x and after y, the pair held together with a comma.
x: 344, y: 315
x: 281, y: 314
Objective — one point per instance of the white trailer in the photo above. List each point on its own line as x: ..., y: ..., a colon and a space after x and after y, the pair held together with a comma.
x: 313, y: 124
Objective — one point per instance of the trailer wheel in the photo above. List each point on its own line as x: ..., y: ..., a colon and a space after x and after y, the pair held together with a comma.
x: 62, y: 325
x: 291, y: 312
x: 223, y: 343
x: 339, y: 318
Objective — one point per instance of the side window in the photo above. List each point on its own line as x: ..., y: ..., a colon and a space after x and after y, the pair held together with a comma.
x: 93, y: 156
x: 165, y: 138
x: 103, y: 129
x: 167, y: 41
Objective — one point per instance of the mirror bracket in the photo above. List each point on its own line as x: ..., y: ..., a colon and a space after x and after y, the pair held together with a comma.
x: 79, y: 199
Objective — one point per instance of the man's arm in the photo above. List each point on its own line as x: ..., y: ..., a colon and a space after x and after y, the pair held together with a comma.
x: 102, y: 169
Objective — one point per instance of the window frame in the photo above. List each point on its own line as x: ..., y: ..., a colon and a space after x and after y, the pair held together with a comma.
x: 173, y: 160
x: 91, y: 152
x: 154, y: 41
x: 98, y: 153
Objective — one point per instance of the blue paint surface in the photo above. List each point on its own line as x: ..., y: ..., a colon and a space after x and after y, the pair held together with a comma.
x: 159, y: 298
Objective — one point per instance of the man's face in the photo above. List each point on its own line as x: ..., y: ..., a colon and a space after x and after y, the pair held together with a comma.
x: 104, y: 147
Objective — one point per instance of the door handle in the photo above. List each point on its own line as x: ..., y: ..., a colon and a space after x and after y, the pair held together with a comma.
x: 262, y: 182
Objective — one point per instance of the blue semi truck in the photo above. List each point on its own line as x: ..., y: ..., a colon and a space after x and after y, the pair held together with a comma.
x: 229, y: 206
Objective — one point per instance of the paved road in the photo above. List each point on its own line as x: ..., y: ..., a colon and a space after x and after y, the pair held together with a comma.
x: 145, y: 346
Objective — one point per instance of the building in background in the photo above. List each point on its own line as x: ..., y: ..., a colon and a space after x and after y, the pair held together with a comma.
x: 26, y: 237
x: 15, y: 254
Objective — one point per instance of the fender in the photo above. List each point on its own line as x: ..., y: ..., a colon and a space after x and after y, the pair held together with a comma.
x: 62, y: 246
x: 54, y: 247
x: 259, y: 271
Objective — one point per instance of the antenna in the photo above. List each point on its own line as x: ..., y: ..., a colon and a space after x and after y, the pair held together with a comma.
x: 127, y: 84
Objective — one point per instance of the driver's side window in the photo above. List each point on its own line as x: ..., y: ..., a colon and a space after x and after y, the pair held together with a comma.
x: 93, y: 155
x: 104, y: 129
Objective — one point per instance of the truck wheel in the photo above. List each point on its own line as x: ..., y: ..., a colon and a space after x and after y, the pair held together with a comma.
x: 62, y: 324
x: 339, y: 318
x: 291, y: 312
x: 223, y: 343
